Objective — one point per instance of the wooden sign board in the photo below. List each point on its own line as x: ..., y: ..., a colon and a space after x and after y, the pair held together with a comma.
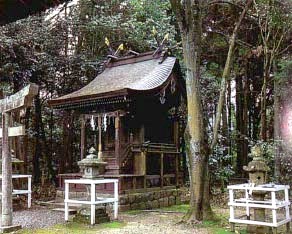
x: 14, y: 131
x: 19, y: 100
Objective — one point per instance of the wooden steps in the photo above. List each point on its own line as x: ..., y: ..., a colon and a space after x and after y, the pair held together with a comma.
x: 112, y: 167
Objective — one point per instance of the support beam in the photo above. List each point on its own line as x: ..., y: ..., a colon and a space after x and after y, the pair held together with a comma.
x: 144, y: 156
x: 82, y: 140
x: 99, y: 138
x: 161, y: 169
x: 176, y: 169
x: 117, y: 138
x: 6, y: 174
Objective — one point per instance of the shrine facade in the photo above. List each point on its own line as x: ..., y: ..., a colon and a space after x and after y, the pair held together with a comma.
x: 133, y: 115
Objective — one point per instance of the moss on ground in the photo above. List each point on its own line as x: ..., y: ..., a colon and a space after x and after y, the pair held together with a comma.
x: 177, y: 208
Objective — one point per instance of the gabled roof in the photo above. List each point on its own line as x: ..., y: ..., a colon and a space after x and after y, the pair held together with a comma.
x: 135, y: 74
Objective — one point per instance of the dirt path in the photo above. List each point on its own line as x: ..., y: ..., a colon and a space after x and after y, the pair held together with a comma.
x: 153, y: 223
x: 43, y: 220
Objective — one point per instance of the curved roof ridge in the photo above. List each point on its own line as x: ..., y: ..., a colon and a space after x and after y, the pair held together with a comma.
x: 118, y: 80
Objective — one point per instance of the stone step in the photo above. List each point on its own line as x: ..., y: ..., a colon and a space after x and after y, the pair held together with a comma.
x: 112, y: 167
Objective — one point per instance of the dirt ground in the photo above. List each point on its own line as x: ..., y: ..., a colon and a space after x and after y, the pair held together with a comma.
x: 152, y: 223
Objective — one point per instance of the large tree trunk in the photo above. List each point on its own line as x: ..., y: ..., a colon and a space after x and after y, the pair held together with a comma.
x: 189, y: 16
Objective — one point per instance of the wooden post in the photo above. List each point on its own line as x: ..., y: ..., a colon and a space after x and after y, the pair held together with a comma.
x: 176, y: 133
x: 161, y: 169
x: 82, y: 140
x: 144, y: 155
x: 176, y: 169
x: 117, y: 138
x: 18, y: 101
x: 99, y: 138
x: 6, y: 175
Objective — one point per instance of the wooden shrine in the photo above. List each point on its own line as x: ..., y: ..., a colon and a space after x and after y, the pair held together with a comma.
x: 132, y: 114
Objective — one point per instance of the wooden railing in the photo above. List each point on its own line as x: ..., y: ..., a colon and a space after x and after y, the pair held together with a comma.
x: 127, y: 153
x: 158, y: 147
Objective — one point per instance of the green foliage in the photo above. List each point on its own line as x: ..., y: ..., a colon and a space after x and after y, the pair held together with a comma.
x: 220, y: 166
x: 62, y: 52
x: 282, y: 76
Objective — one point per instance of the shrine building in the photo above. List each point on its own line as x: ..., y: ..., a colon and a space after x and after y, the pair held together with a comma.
x: 133, y: 115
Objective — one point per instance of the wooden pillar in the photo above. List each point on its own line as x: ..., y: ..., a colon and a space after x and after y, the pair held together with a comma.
x: 161, y: 169
x: 82, y: 140
x: 176, y: 133
x: 6, y: 175
x: 142, y: 134
x: 99, y: 138
x: 117, y: 138
x: 144, y: 155
x: 176, y: 169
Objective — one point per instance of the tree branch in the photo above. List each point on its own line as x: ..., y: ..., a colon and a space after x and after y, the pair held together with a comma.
x: 226, y: 74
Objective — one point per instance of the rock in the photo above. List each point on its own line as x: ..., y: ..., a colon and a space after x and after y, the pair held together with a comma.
x: 171, y: 201
x: 156, y: 195
x: 155, y: 204
x: 131, y: 198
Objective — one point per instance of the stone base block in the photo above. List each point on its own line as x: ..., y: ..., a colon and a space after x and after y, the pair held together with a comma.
x: 83, y: 216
x: 258, y: 229
x: 8, y: 229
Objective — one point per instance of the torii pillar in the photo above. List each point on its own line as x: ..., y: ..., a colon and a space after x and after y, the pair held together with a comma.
x: 20, y: 100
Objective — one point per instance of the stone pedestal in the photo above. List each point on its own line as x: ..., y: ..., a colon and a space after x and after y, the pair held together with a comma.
x: 92, y: 167
x: 259, y: 215
x: 257, y: 170
x: 83, y: 215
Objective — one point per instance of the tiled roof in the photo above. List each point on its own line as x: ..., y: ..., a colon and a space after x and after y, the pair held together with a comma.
x: 136, y: 76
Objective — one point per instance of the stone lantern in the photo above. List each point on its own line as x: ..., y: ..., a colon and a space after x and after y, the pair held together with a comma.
x: 257, y: 170
x: 92, y: 166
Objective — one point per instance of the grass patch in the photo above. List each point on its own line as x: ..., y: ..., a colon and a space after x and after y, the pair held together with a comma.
x: 114, y: 224
x: 133, y: 212
x: 219, y: 226
x: 73, y: 228
x: 177, y: 208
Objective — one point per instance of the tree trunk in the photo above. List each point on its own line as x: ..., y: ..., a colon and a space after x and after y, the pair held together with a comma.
x: 239, y: 120
x: 189, y: 16
x: 263, y: 129
x: 225, y: 75
x: 277, y: 121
